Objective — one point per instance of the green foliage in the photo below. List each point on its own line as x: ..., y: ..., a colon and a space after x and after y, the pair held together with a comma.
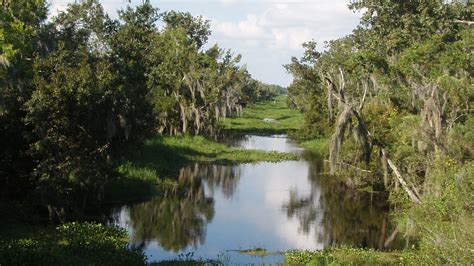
x: 405, y: 74
x: 21, y: 25
x: 345, y: 256
x: 319, y: 146
x: 72, y: 243
x: 20, y: 21
x: 73, y: 144
x: 197, y: 28
x: 461, y: 140
x: 78, y: 89
x: 443, y: 223
x: 305, y: 93
x: 156, y: 165
x: 189, y: 260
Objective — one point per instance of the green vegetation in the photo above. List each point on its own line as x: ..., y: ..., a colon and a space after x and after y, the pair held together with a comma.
x: 255, y: 252
x: 319, y: 146
x: 158, y: 161
x: 203, y: 150
x: 189, y: 260
x: 346, y: 256
x: 395, y: 99
x: 284, y: 119
x: 78, y: 89
x: 70, y: 244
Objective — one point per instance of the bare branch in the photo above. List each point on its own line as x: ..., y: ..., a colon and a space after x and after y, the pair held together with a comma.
x: 391, y: 238
x: 402, y: 181
x: 469, y: 23
x: 342, y: 81
x: 362, y: 102
x: 336, y: 143
x: 352, y: 166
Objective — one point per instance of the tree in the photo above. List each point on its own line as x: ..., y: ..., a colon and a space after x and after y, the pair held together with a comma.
x: 197, y: 28
x: 21, y: 26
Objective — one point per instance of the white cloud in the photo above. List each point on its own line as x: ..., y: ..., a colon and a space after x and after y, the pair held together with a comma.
x: 110, y: 6
x: 248, y: 29
x: 266, y: 32
x: 287, y: 24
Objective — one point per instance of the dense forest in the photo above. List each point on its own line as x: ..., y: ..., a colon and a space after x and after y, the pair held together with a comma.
x: 78, y: 88
x: 396, y: 99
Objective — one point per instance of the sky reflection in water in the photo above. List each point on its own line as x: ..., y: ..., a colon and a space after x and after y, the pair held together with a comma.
x: 276, y: 206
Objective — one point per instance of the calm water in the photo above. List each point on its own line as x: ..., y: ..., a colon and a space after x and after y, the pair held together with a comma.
x: 277, y: 206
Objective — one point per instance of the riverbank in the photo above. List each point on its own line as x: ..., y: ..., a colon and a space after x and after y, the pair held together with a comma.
x: 145, y: 171
x: 154, y: 166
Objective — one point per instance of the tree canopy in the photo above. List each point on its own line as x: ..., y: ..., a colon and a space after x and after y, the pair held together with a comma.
x: 80, y: 87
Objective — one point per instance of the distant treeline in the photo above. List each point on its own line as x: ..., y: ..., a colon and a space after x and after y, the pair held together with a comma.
x: 78, y: 88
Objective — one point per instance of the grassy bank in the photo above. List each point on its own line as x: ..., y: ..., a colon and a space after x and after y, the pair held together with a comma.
x: 319, y: 146
x: 156, y: 164
x: 283, y: 119
x: 347, y: 256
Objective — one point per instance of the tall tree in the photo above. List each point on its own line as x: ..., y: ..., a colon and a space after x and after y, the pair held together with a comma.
x: 21, y: 26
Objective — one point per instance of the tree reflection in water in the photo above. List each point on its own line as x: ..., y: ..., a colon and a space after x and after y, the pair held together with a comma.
x: 327, y: 210
x: 337, y: 215
x: 178, y: 219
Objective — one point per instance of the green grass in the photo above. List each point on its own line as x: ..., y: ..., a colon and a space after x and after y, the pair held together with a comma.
x: 319, y: 146
x: 286, y: 119
x: 148, y: 169
x: 347, y: 256
x: 200, y: 149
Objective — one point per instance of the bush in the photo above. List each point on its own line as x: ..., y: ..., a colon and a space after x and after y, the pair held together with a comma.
x: 443, y: 223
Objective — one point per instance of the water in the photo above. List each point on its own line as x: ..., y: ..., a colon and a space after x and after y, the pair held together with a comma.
x: 275, y: 206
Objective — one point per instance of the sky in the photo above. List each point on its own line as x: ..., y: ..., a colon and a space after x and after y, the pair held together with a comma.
x: 267, y: 33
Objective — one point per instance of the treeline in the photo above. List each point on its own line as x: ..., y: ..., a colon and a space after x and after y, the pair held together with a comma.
x: 396, y: 97
x: 78, y: 88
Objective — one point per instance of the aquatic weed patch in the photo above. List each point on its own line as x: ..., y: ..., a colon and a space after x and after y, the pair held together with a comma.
x: 71, y: 244
x: 344, y: 256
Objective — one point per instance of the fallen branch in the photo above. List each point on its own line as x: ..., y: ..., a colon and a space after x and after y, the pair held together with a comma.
x: 402, y: 181
x: 469, y: 23
x: 333, y: 153
x: 391, y: 238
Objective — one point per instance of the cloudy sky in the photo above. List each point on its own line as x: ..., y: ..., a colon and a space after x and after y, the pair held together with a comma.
x: 267, y: 33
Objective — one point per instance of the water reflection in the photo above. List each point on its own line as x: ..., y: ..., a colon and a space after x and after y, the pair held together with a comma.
x: 178, y: 219
x: 277, y: 206
x: 345, y: 217
x: 174, y: 222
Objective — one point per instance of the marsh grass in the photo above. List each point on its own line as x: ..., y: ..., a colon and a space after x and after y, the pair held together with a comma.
x: 285, y: 119
x: 345, y: 256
